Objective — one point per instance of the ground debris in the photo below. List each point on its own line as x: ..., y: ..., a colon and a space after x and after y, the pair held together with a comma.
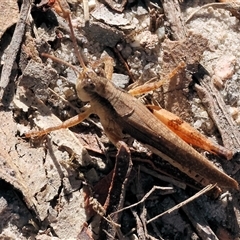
x: 178, y: 87
x: 103, y: 34
x: 175, y: 18
x: 218, y: 111
x: 55, y: 177
x: 115, y: 5
x: 102, y: 13
x: 37, y: 77
x: 44, y: 182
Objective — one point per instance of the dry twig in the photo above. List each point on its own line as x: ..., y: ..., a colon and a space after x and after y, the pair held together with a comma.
x: 13, y: 48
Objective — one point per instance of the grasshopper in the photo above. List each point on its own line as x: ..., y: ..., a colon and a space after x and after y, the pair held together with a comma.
x: 119, y: 111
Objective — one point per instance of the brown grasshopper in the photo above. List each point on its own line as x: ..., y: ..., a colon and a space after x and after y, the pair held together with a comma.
x: 119, y: 111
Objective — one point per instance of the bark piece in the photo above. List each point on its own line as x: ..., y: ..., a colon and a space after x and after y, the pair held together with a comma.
x: 174, y: 16
x: 102, y: 13
x: 37, y: 77
x: 13, y: 48
x: 176, y: 94
x: 103, y: 34
x: 50, y: 185
x: 115, y: 5
x: 217, y: 109
x: 47, y: 187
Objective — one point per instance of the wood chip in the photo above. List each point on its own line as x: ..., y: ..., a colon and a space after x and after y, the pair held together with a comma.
x: 218, y: 111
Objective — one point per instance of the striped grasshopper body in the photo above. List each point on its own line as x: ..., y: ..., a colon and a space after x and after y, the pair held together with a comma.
x: 118, y: 111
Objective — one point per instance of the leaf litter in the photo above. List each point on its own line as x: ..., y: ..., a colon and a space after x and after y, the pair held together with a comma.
x: 47, y: 171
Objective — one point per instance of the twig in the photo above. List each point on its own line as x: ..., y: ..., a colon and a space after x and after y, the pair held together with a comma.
x: 198, y: 194
x: 86, y: 10
x: 144, y: 198
x: 196, y: 218
x: 124, y: 63
x: 232, y: 7
x: 13, y: 48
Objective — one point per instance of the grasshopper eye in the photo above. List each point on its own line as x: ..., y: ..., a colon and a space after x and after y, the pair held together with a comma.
x: 89, y: 85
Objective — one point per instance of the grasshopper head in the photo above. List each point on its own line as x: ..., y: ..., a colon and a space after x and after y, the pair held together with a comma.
x: 89, y: 85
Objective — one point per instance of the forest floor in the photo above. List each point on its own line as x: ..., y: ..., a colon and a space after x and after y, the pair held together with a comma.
x: 59, y: 185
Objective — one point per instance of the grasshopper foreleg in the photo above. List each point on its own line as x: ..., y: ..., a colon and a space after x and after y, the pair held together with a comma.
x: 66, y: 124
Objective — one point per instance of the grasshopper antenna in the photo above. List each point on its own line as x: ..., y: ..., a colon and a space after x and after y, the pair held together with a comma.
x: 79, y: 56
x: 62, y: 8
x: 55, y: 59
